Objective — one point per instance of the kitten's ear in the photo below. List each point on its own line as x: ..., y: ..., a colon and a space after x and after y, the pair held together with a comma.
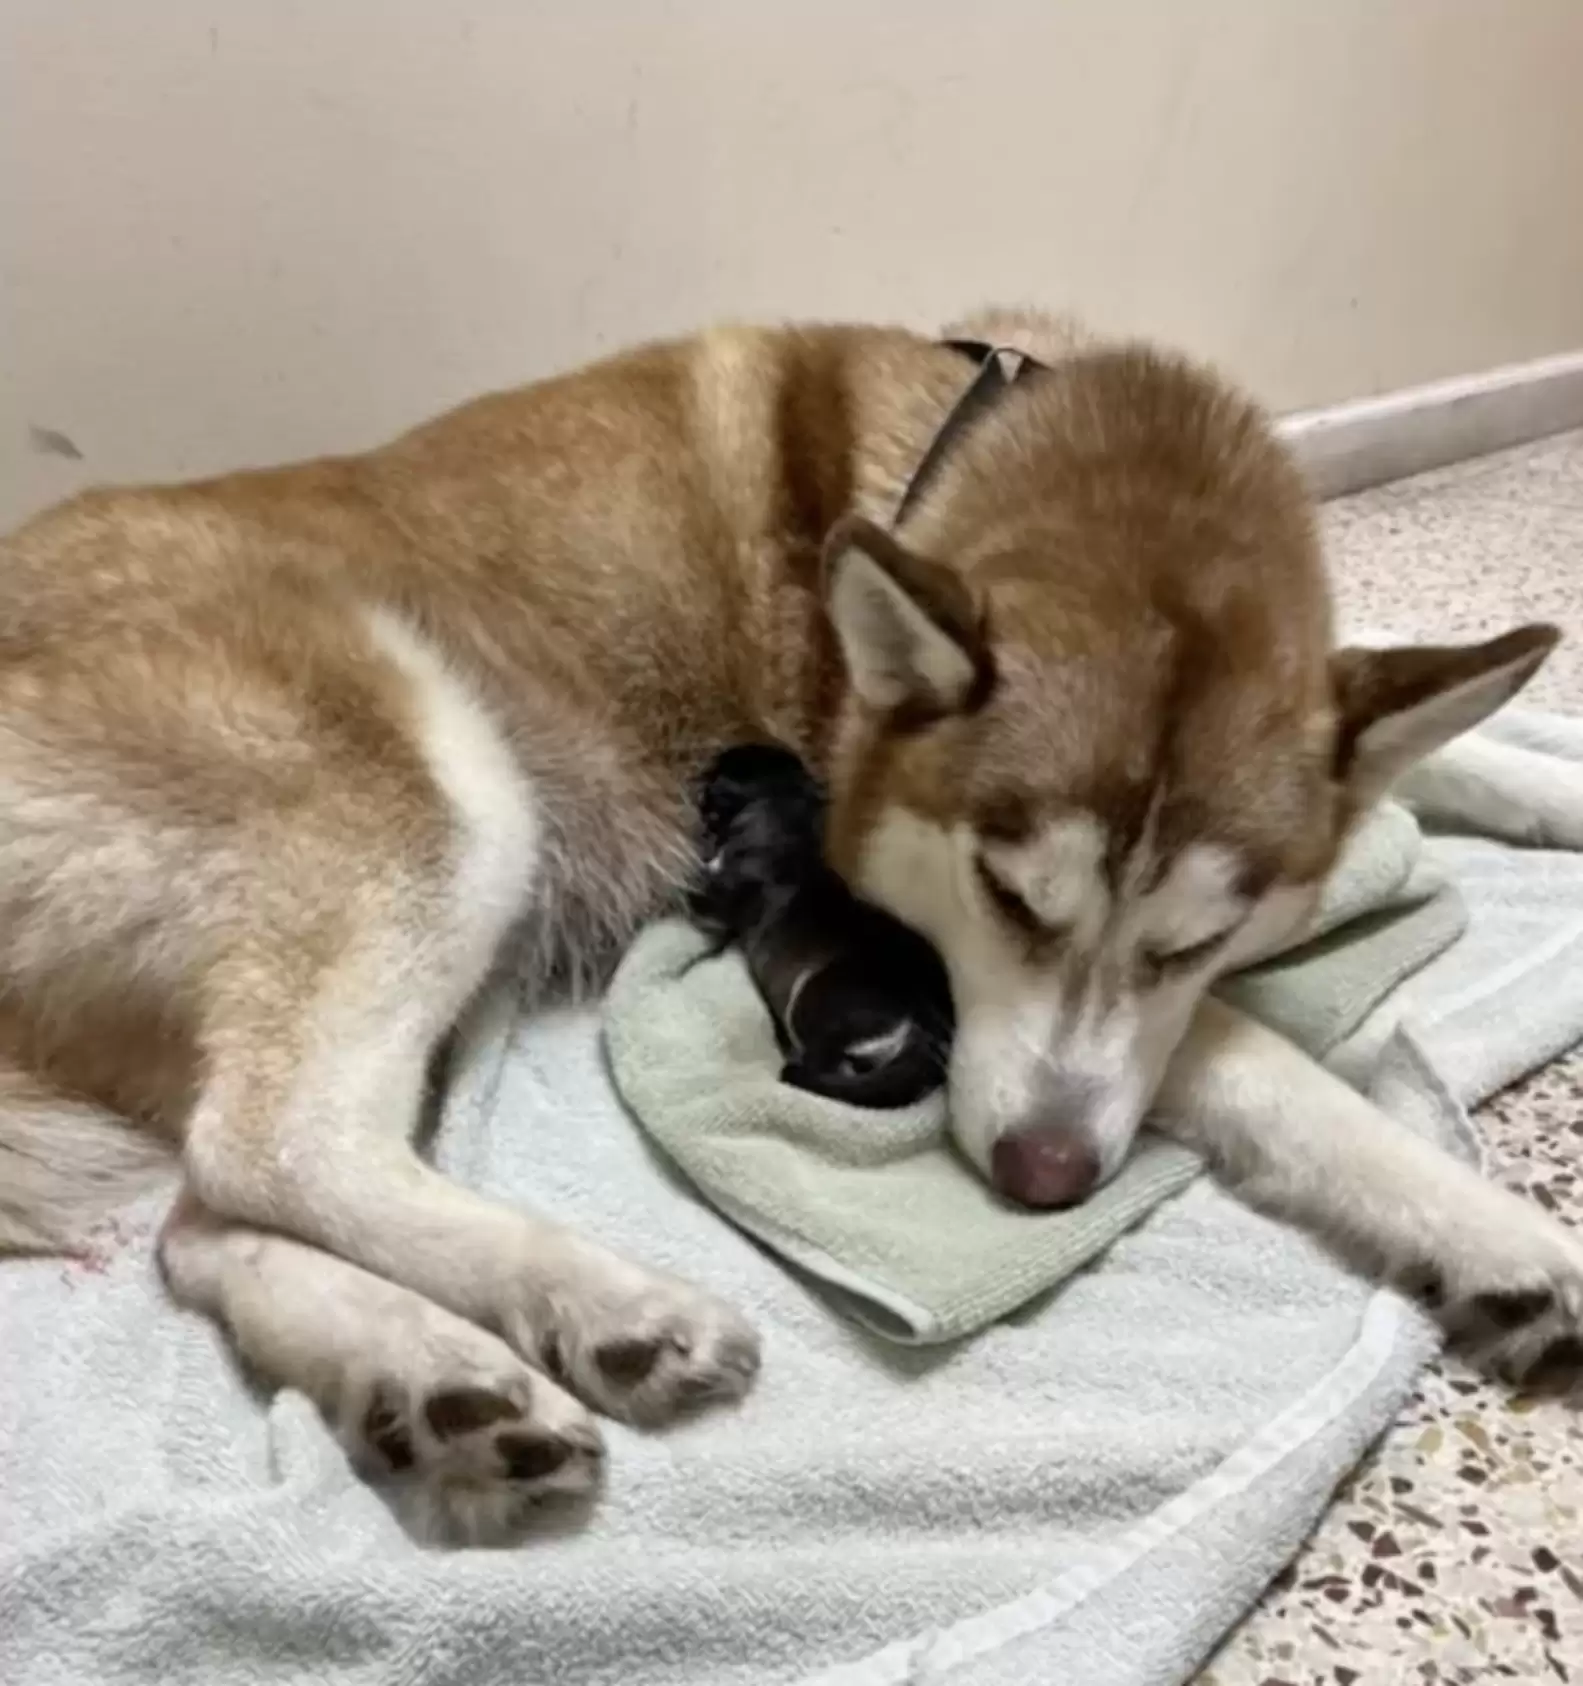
x: 1396, y: 706
x: 911, y: 634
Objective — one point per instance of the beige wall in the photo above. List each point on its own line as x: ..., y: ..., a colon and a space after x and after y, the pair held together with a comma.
x: 240, y: 231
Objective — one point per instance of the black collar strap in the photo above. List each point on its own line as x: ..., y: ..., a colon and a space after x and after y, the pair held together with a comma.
x: 1000, y: 367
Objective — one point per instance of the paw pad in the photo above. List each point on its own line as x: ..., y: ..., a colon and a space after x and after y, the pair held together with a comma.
x: 532, y: 1457
x: 627, y: 1362
x: 1558, y: 1368
x: 384, y: 1430
x: 465, y: 1410
x: 1511, y: 1310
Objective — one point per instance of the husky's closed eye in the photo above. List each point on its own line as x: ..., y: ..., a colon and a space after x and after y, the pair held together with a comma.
x: 1156, y: 963
x: 1015, y: 909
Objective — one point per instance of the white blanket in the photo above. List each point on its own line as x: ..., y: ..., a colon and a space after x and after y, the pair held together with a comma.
x: 1091, y: 1492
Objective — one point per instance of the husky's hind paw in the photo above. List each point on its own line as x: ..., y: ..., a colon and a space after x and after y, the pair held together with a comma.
x: 471, y: 1441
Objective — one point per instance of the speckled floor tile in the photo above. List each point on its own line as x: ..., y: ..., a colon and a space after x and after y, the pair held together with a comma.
x: 1470, y: 557
x: 1549, y: 472
x: 1455, y: 1552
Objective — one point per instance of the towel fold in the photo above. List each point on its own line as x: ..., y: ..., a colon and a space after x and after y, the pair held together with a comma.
x: 876, y: 1206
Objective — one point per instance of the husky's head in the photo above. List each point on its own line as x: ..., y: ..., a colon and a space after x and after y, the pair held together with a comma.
x: 1098, y: 746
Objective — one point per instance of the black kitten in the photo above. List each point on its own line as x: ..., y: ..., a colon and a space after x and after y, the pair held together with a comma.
x: 861, y: 1005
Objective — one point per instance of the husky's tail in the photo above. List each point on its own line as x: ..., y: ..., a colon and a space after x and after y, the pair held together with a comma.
x: 65, y: 1166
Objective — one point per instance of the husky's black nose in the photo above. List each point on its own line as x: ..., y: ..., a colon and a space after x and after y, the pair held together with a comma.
x: 1045, y: 1166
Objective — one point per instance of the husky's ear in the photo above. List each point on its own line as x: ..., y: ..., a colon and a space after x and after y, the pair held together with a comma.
x: 911, y: 635
x: 1396, y: 706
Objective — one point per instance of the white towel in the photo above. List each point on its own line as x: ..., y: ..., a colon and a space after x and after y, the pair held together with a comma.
x: 1090, y: 1492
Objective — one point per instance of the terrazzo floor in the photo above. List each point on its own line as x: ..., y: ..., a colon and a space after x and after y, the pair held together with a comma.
x: 1455, y: 1552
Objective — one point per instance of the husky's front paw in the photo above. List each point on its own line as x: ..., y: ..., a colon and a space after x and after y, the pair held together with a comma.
x: 639, y: 1345
x: 1519, y: 1314
x: 468, y: 1438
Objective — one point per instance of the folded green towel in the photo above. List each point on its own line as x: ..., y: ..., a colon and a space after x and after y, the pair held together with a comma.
x: 876, y: 1206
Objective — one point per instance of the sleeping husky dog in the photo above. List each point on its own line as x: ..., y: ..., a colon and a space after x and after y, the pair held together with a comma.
x: 289, y: 758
